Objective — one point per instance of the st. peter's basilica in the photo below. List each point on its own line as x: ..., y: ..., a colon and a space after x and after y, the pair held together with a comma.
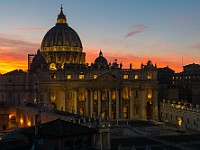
x: 60, y: 78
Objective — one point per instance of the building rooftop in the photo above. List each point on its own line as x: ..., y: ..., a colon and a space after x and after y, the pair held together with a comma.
x: 59, y: 128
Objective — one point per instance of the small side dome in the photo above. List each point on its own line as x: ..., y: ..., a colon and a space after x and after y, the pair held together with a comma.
x: 115, y: 64
x: 100, y: 62
x: 38, y: 62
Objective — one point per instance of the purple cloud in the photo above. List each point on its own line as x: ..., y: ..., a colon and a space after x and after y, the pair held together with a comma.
x: 16, y: 42
x: 136, y: 29
x: 196, y: 45
x: 32, y: 29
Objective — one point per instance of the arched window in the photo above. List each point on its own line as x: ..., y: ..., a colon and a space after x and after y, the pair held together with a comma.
x: 125, y: 112
x: 53, y: 96
x: 149, y: 94
x: 81, y: 95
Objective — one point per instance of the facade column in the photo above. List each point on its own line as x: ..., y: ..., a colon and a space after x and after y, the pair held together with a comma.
x: 143, y: 104
x: 110, y: 103
x: 91, y: 103
x: 99, y: 102
x: 117, y: 104
x: 63, y: 99
x: 155, y: 105
x: 121, y: 103
x: 75, y: 102
x: 131, y: 104
x: 87, y: 103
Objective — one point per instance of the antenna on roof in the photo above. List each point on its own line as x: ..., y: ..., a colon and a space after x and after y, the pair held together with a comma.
x: 182, y: 61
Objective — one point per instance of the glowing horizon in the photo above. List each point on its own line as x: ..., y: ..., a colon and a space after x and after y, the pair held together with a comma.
x: 132, y: 32
x: 9, y: 64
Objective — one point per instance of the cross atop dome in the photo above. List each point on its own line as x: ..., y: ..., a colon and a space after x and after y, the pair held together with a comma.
x: 61, y: 17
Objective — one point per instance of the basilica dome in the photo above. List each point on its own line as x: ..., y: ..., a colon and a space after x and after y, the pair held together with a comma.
x: 61, y: 37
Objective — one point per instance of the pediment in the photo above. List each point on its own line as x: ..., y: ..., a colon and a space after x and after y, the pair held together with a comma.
x: 105, y: 78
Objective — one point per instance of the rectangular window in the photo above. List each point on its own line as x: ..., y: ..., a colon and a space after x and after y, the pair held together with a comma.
x: 136, y: 77
x: 69, y: 76
x: 52, y: 75
x: 81, y: 76
x: 125, y: 76
x: 95, y: 76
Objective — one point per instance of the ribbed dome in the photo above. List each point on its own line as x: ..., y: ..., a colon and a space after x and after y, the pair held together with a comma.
x: 61, y: 37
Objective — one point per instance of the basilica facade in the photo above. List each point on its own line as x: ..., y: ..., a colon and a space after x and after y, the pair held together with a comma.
x: 60, y: 78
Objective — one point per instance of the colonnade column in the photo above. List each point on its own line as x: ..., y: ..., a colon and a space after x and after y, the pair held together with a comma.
x: 91, y: 103
x: 117, y: 104
x: 99, y: 102
x: 110, y: 103
x: 87, y: 103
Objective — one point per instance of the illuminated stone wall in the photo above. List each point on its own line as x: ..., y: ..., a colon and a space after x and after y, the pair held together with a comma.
x: 188, y: 115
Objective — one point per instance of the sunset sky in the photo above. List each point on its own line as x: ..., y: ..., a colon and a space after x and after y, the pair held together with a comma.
x: 131, y: 31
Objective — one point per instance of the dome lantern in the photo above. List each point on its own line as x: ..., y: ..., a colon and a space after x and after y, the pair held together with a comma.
x: 61, y: 17
x: 100, y: 53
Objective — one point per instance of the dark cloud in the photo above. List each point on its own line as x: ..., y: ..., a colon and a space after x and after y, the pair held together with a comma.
x: 136, y: 29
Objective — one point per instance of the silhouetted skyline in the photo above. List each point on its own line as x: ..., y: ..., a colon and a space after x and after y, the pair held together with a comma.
x: 131, y: 31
